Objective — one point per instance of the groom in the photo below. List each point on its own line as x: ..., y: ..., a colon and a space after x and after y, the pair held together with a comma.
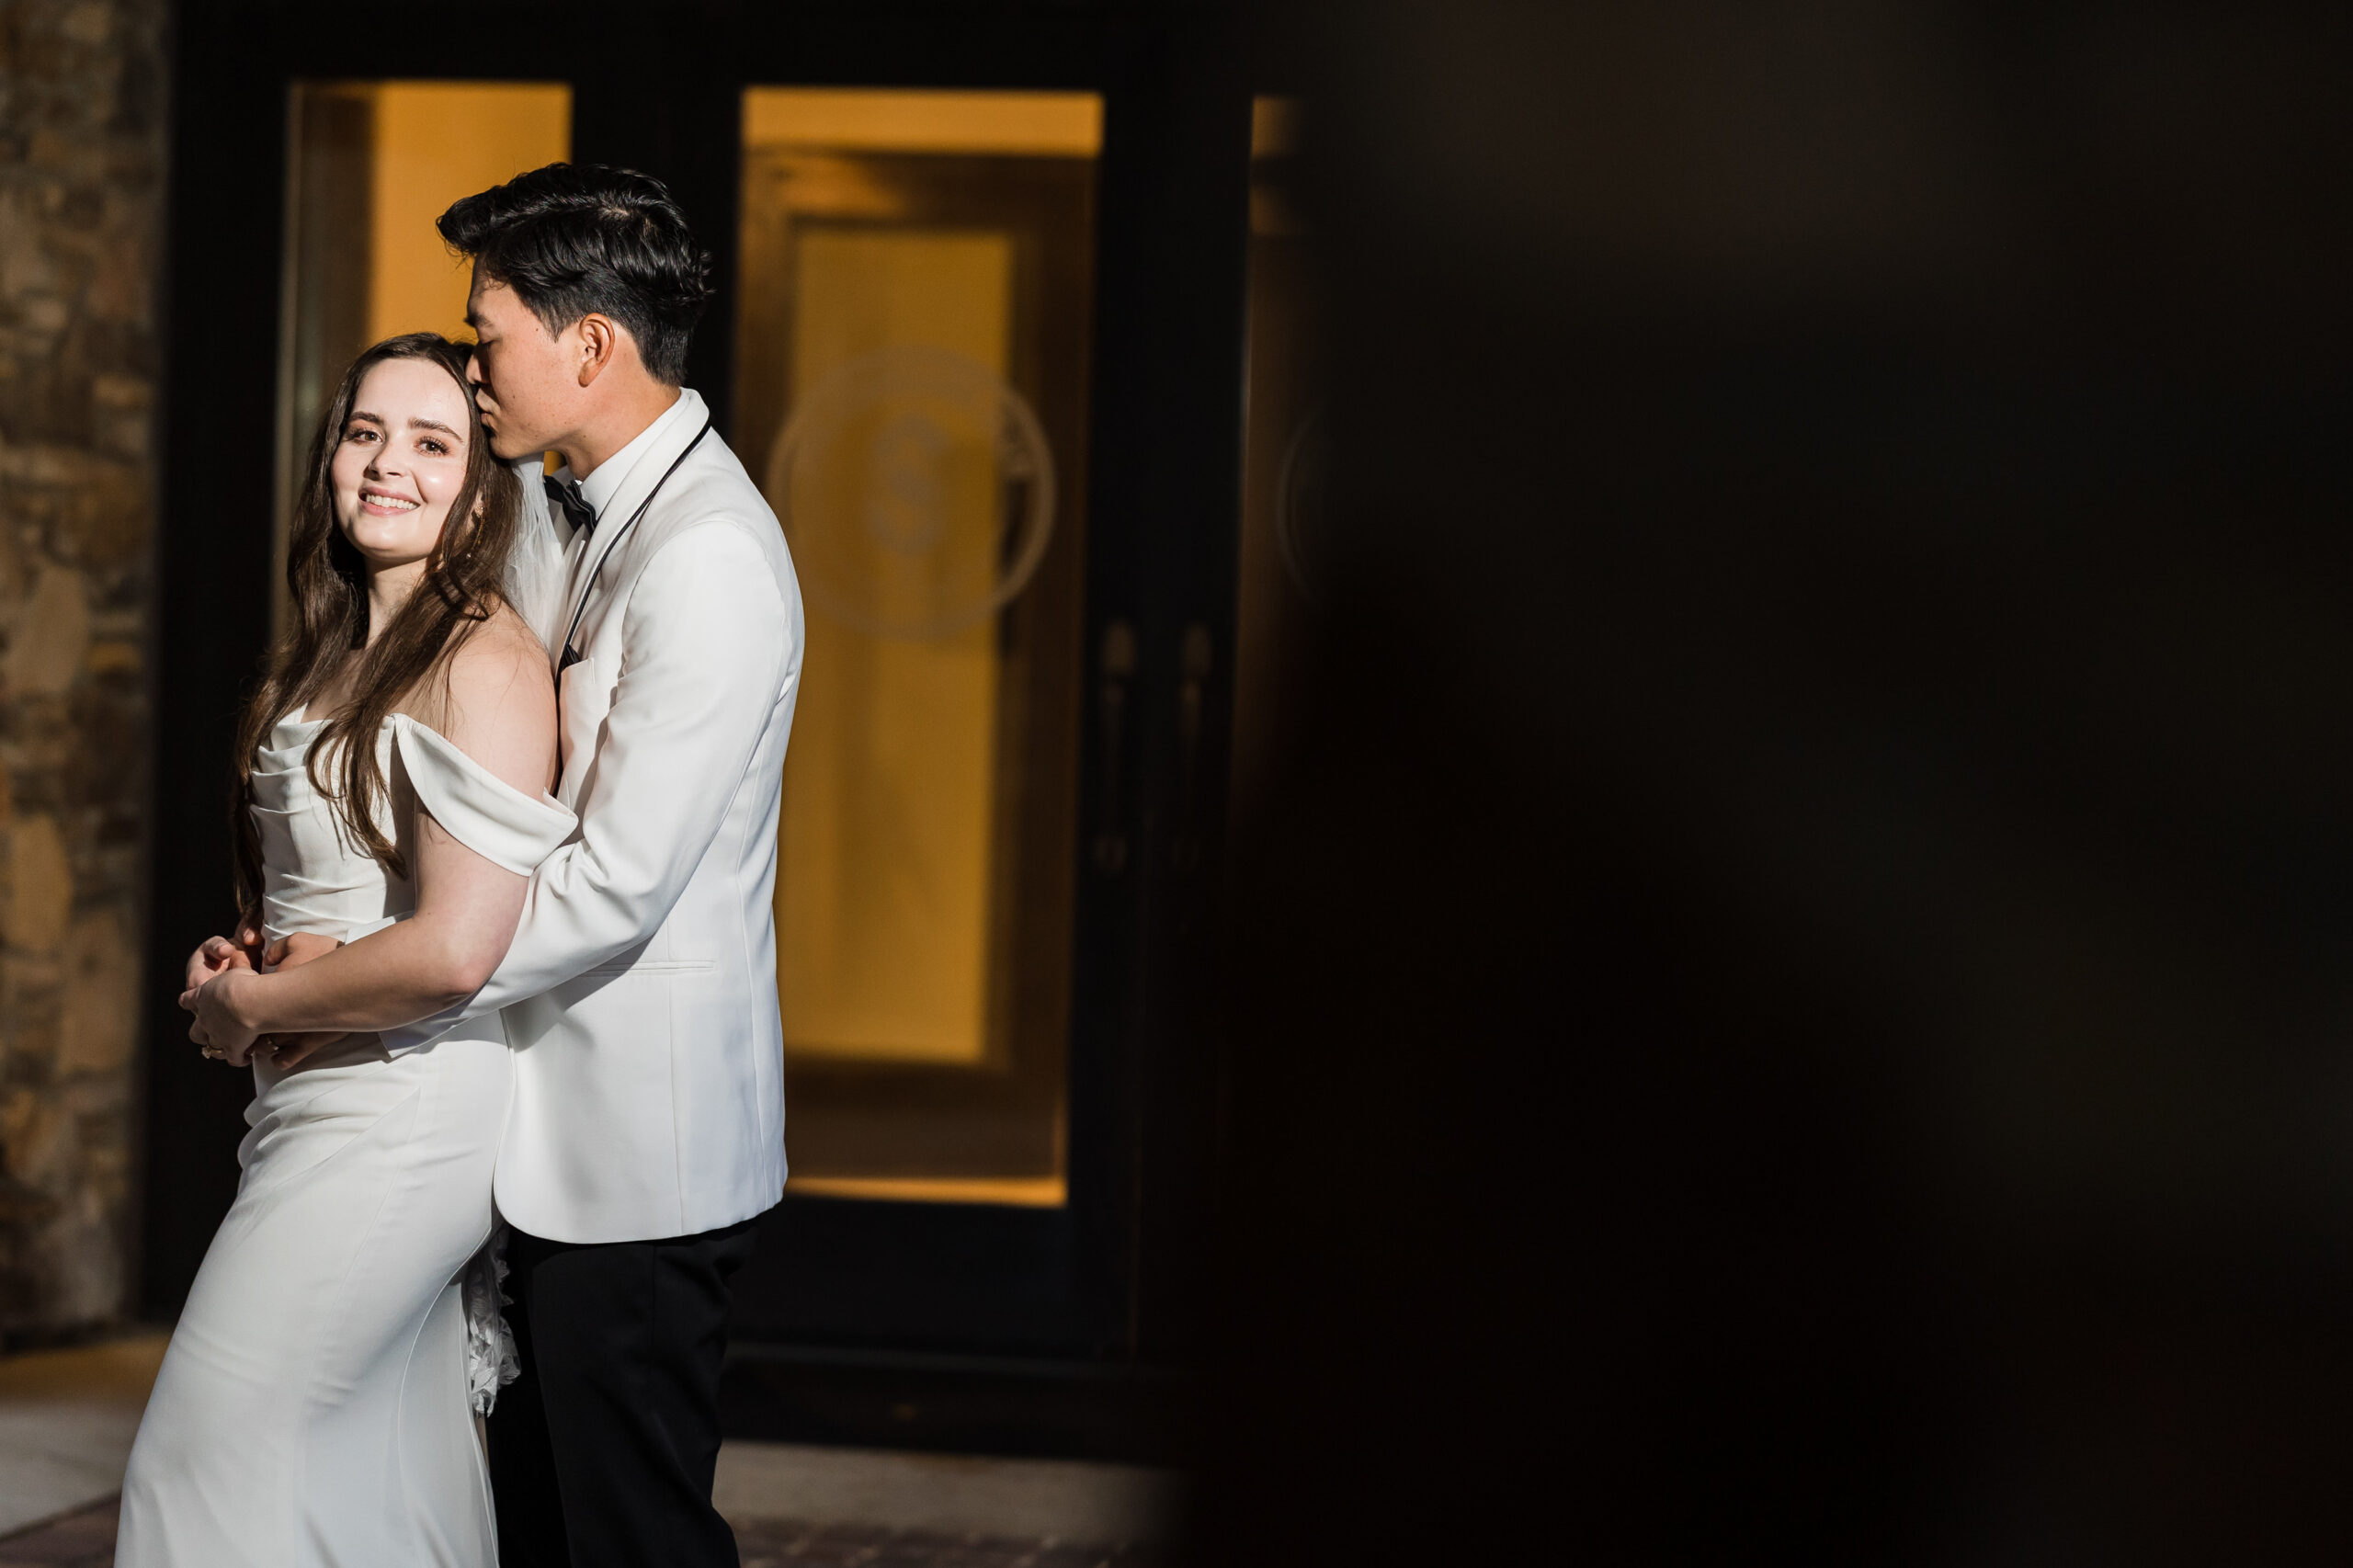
x: 647, y: 1132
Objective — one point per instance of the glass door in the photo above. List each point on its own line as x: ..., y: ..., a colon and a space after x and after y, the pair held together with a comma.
x: 914, y: 274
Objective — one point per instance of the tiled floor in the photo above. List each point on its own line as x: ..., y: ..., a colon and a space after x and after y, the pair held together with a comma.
x: 67, y: 1416
x: 85, y: 1539
x: 768, y: 1543
x: 66, y: 1420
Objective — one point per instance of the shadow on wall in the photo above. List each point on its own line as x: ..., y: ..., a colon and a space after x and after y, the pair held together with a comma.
x: 1792, y: 1002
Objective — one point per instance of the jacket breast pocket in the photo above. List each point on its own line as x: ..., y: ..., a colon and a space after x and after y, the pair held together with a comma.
x: 585, y: 695
x: 653, y: 968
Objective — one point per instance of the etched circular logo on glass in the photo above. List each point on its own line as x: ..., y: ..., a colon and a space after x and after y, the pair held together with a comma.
x: 917, y: 492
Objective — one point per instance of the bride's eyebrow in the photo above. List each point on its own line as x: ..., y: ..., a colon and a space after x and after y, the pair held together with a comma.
x: 431, y: 424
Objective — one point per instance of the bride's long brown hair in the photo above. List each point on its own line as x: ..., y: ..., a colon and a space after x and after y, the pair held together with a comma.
x: 329, y: 581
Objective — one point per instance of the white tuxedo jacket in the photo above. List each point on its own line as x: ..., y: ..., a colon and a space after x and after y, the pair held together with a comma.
x: 639, y: 993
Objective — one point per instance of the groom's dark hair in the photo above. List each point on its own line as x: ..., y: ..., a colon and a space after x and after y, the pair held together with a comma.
x: 576, y: 238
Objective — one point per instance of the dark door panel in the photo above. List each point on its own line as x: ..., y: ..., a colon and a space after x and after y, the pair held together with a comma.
x: 963, y: 1277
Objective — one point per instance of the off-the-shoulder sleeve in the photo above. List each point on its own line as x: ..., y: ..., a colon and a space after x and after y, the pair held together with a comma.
x: 475, y: 806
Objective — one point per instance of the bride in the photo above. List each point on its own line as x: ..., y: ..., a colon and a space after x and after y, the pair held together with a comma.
x: 317, y: 1405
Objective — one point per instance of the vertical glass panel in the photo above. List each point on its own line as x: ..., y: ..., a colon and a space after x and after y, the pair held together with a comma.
x: 371, y: 166
x: 1282, y: 456
x: 883, y: 924
x: 911, y: 388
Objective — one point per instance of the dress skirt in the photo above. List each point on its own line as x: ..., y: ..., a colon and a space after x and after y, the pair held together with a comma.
x: 313, y: 1407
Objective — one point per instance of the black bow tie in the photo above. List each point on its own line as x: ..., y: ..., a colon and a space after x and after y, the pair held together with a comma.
x: 564, y: 496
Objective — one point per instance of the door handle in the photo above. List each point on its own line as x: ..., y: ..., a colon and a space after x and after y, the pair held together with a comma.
x: 1115, y: 674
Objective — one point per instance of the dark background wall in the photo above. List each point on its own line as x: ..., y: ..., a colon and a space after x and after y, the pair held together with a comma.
x: 1794, y: 1003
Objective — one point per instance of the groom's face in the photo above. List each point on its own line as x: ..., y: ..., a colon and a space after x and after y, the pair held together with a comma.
x: 530, y: 389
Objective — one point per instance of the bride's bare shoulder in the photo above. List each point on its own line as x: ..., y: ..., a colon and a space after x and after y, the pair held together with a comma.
x: 499, y: 646
x: 503, y: 636
x: 497, y: 700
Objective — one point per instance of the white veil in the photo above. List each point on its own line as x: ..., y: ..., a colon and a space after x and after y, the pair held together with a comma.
x: 536, y: 577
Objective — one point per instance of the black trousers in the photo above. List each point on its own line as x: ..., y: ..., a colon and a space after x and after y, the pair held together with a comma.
x: 601, y: 1453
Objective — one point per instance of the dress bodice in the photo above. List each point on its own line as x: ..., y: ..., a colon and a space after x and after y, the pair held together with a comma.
x: 316, y: 879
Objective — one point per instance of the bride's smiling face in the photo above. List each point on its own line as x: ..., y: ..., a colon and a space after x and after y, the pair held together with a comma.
x: 401, y: 462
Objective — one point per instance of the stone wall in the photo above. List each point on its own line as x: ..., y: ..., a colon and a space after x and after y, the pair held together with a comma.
x: 82, y: 153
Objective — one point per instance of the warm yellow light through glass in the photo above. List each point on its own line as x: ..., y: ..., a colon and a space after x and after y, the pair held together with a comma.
x: 883, y: 892
x: 884, y: 874
x: 915, y: 273
x: 434, y: 142
x: 1274, y: 126
x: 1068, y: 125
x: 371, y: 166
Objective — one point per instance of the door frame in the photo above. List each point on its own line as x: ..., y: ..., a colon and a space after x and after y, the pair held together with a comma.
x: 1000, y: 1329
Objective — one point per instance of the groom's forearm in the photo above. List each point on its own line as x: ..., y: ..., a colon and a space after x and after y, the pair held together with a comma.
x: 403, y: 973
x: 465, y: 917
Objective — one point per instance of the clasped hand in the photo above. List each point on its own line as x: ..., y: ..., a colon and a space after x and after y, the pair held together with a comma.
x: 223, y: 982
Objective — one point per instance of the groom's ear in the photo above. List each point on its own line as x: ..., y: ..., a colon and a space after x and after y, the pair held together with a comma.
x: 600, y: 344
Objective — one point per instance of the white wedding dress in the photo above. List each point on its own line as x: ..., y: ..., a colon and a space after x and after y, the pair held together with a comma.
x: 317, y: 1405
